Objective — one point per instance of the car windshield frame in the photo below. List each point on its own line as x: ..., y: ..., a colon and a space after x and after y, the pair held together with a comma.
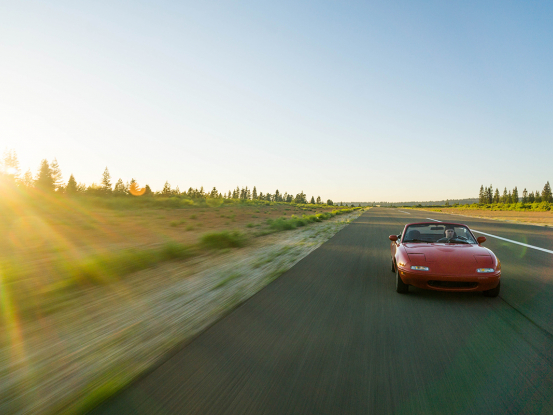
x: 434, y: 233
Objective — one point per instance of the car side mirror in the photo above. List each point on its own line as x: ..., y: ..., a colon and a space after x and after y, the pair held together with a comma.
x: 393, y: 238
x: 481, y: 239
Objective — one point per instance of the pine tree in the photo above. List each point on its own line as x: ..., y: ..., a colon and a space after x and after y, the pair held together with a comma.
x: 509, y: 198
x: 515, y: 195
x: 248, y: 193
x: 505, y: 196
x: 261, y: 196
x: 56, y: 175
x: 119, y: 189
x: 525, y: 196
x: 166, y: 191
x: 531, y: 197
x: 27, y: 180
x: 9, y: 165
x: 254, y: 193
x: 300, y: 198
x: 537, y: 195
x: 489, y: 195
x: 277, y: 196
x: 133, y: 188
x: 148, y: 191
x: 312, y: 200
x: 213, y: 193
x: 481, y: 195
x: 496, y: 196
x: 546, y: 195
x: 106, y: 182
x: 44, y: 180
x: 318, y: 200
x: 71, y: 187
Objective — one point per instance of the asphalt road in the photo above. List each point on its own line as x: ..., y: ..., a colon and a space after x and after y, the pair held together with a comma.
x: 331, y: 336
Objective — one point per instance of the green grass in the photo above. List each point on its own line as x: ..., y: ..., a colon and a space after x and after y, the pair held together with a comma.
x: 228, y: 279
x: 104, y: 268
x: 92, y: 270
x: 224, y: 239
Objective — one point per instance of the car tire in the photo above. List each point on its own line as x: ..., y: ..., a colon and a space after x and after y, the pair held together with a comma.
x: 401, y: 287
x: 494, y: 292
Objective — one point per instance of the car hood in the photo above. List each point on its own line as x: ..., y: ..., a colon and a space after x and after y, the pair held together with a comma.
x: 461, y: 254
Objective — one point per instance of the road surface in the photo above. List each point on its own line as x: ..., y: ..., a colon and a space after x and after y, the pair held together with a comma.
x: 331, y: 336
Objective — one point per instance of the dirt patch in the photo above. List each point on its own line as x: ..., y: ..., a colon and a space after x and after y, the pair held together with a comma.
x: 72, y: 358
x: 530, y: 218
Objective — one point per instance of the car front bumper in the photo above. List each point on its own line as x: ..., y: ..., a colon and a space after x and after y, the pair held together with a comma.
x: 440, y: 282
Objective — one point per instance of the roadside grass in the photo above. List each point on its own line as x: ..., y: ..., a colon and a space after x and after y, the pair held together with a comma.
x: 228, y: 279
x: 271, y: 257
x: 44, y: 271
x: 513, y: 207
x: 283, y: 224
x: 223, y: 239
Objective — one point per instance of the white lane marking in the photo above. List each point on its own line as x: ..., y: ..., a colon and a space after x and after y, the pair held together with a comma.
x: 405, y: 212
x: 514, y: 242
x: 505, y: 239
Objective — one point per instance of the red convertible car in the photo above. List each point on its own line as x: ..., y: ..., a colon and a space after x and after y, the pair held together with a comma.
x: 443, y: 257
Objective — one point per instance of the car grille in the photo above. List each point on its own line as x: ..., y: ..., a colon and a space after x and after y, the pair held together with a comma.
x: 452, y: 284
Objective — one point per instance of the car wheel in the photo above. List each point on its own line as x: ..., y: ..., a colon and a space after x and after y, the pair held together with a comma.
x: 393, y: 266
x: 494, y: 292
x: 401, y: 287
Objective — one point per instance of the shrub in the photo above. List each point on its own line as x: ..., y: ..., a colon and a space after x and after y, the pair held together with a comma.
x: 224, y: 239
x: 174, y: 250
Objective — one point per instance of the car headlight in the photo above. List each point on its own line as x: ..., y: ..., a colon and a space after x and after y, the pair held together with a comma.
x: 485, y: 270
x: 419, y: 268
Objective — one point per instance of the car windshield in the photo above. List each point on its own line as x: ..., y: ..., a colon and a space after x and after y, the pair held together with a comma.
x: 439, y: 233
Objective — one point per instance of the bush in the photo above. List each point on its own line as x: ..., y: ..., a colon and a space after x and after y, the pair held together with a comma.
x: 224, y: 239
x: 174, y: 250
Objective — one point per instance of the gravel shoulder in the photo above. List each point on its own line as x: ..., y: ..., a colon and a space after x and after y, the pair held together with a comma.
x: 71, y: 359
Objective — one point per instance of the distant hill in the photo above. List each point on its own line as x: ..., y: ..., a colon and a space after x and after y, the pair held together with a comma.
x: 426, y: 203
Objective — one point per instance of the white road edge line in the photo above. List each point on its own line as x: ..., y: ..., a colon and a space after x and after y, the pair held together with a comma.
x: 505, y: 239
x: 514, y: 242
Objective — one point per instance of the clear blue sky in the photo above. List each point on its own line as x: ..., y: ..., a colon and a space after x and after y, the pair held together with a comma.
x: 354, y: 101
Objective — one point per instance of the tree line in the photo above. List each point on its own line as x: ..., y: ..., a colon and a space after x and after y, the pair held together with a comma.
x: 49, y: 180
x: 488, y: 196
